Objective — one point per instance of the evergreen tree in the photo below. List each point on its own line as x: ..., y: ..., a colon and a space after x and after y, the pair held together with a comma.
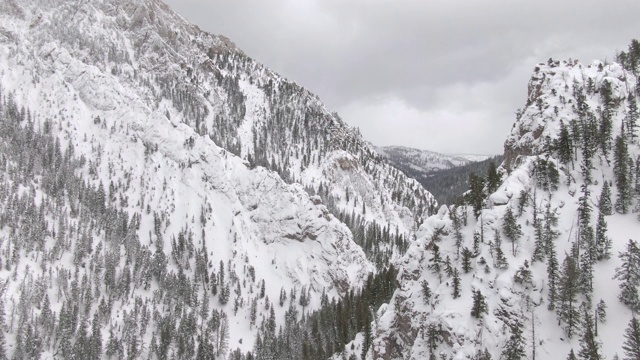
x: 621, y: 174
x: 493, y: 178
x: 589, y: 345
x: 456, y: 283
x: 572, y: 356
x: 564, y: 145
x: 632, y: 116
x: 514, y: 347
x: 604, y: 202
x: 631, y: 345
x: 476, y: 195
x: 435, y: 262
x: 466, y: 260
x: 512, y: 230
x: 426, y: 291
x: 479, y: 305
x: 568, y: 290
x: 629, y: 275
x: 501, y: 260
x: 552, y: 276
x: 603, y: 242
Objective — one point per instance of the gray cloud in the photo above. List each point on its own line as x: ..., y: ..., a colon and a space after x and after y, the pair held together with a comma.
x: 444, y: 75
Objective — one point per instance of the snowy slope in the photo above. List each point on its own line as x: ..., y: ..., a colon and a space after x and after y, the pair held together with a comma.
x: 401, y: 329
x: 421, y: 161
x: 97, y: 76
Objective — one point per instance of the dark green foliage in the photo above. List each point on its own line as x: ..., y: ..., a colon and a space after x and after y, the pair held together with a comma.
x: 564, y: 145
x: 552, y: 276
x: 482, y: 355
x: 567, y: 297
x: 523, y: 275
x: 589, y: 345
x: 426, y: 292
x: 547, y: 175
x: 631, y: 344
x: 501, y: 260
x: 523, y: 201
x: 320, y: 333
x: 572, y: 356
x: 466, y: 260
x: 604, y: 201
x: 447, y: 186
x: 512, y: 230
x: 631, y: 119
x: 475, y: 196
x: 603, y: 242
x: 629, y: 276
x: 479, y: 305
x: 621, y: 174
x: 514, y: 347
x: 493, y: 178
x: 456, y: 283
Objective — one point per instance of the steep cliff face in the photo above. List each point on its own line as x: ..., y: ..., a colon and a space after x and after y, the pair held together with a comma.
x: 577, y: 117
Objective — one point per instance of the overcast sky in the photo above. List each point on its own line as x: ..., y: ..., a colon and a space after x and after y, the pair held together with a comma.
x: 441, y: 75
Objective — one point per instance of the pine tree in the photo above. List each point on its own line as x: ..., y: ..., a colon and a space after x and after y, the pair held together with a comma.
x: 479, y: 305
x: 589, y: 345
x: 426, y: 291
x: 564, y: 145
x: 476, y: 195
x: 632, y: 116
x: 512, y: 230
x: 604, y: 202
x: 631, y: 345
x: 501, y: 260
x: 552, y: 276
x: 603, y: 242
x: 435, y: 262
x: 514, y: 347
x: 621, y: 174
x: 493, y: 178
x: 568, y: 290
x: 466, y: 260
x: 572, y: 356
x: 456, y: 283
x: 629, y: 275
x: 601, y: 312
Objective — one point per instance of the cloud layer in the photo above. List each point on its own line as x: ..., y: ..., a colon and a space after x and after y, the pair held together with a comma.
x: 443, y: 75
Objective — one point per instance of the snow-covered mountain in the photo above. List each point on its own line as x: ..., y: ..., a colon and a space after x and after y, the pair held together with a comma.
x: 533, y: 275
x: 423, y: 162
x: 164, y: 195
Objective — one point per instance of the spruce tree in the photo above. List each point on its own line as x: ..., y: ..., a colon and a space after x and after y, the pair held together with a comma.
x: 476, y: 195
x: 512, y: 230
x: 589, y: 345
x: 568, y: 290
x: 604, y: 201
x: 621, y: 174
x: 426, y: 291
x: 456, y: 283
x: 552, y: 276
x: 629, y: 275
x: 572, y: 355
x: 564, y: 145
x: 631, y: 345
x: 514, y: 347
x: 632, y: 116
x: 479, y: 305
x: 501, y: 260
x: 603, y: 242
x: 493, y: 178
x: 466, y: 260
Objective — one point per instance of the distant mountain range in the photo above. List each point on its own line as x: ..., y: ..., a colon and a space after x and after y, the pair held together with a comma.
x: 444, y: 176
